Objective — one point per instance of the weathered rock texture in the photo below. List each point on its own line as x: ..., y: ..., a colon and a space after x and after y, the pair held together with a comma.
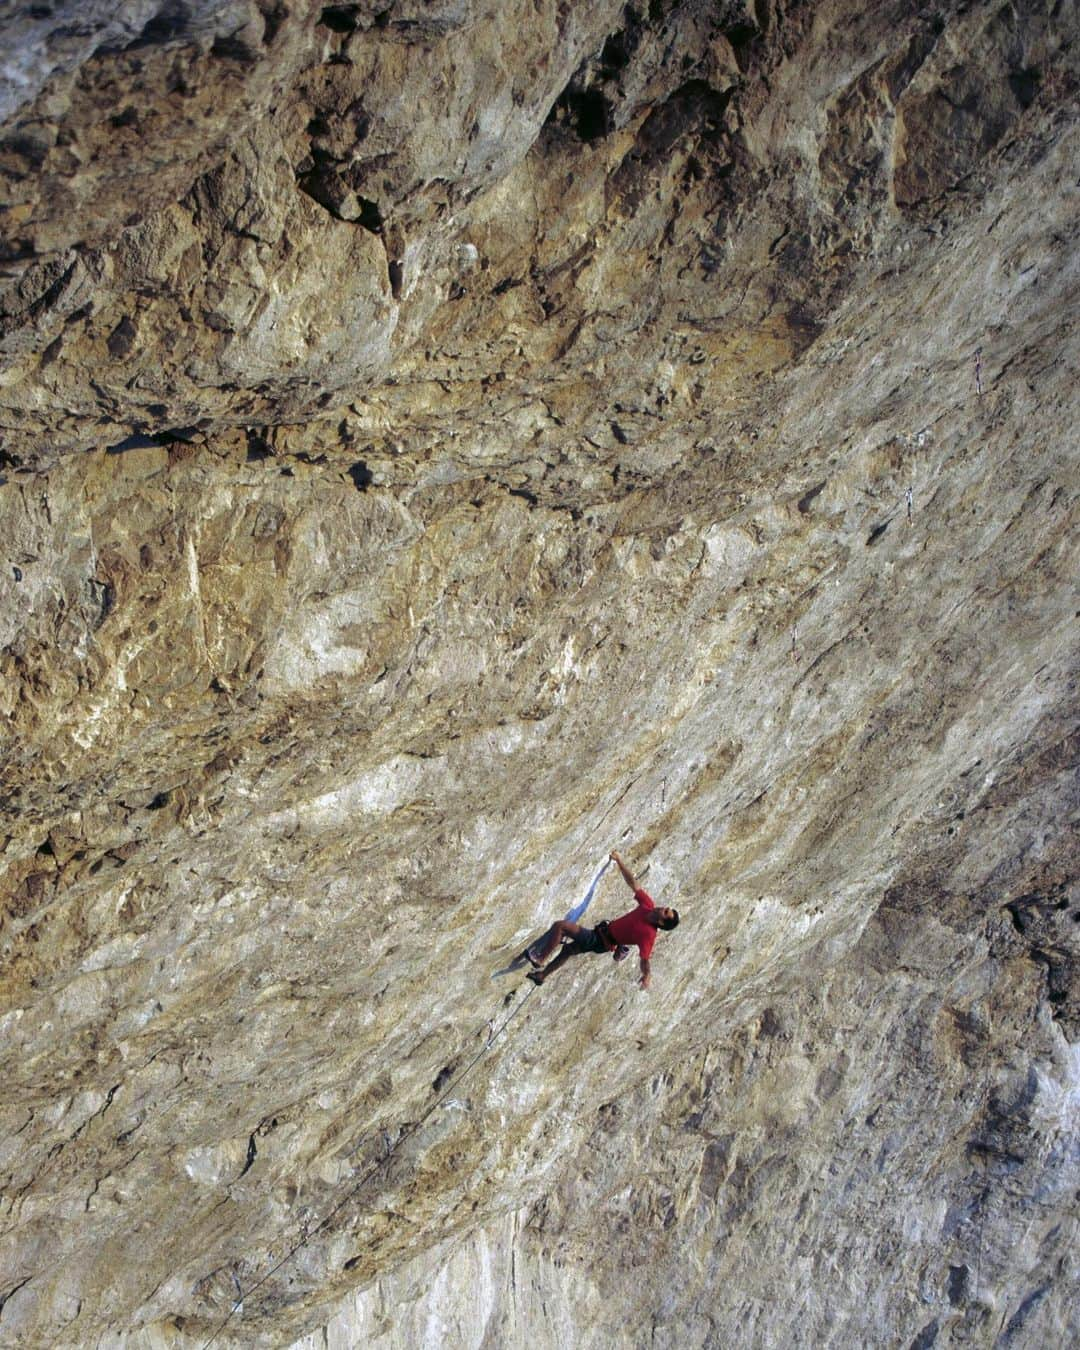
x: 442, y: 442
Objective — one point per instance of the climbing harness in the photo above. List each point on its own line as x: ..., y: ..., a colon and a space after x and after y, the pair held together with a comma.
x: 307, y: 1235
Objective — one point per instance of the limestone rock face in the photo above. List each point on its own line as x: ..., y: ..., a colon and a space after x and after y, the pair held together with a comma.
x: 442, y: 443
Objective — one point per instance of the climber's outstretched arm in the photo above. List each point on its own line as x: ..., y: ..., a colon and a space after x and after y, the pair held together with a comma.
x: 628, y: 876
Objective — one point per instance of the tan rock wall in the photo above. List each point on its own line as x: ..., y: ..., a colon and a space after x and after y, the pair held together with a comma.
x: 463, y: 440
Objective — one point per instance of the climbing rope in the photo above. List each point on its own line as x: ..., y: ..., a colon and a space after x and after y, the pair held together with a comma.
x: 985, y: 1102
x: 371, y: 1171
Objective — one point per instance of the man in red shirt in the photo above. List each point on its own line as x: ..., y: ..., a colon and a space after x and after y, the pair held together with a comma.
x: 638, y: 928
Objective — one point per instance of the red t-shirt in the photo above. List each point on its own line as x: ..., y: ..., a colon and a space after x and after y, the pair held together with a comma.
x: 632, y: 930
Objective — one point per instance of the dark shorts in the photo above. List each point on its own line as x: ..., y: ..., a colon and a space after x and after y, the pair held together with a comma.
x: 589, y: 942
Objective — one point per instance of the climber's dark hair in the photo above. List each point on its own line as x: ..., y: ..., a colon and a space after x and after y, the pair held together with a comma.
x: 673, y: 922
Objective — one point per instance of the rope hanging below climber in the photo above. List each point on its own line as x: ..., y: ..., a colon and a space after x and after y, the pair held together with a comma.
x: 637, y: 927
x: 357, y: 1186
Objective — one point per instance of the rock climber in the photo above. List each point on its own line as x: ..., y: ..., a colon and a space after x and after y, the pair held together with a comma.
x: 637, y: 928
